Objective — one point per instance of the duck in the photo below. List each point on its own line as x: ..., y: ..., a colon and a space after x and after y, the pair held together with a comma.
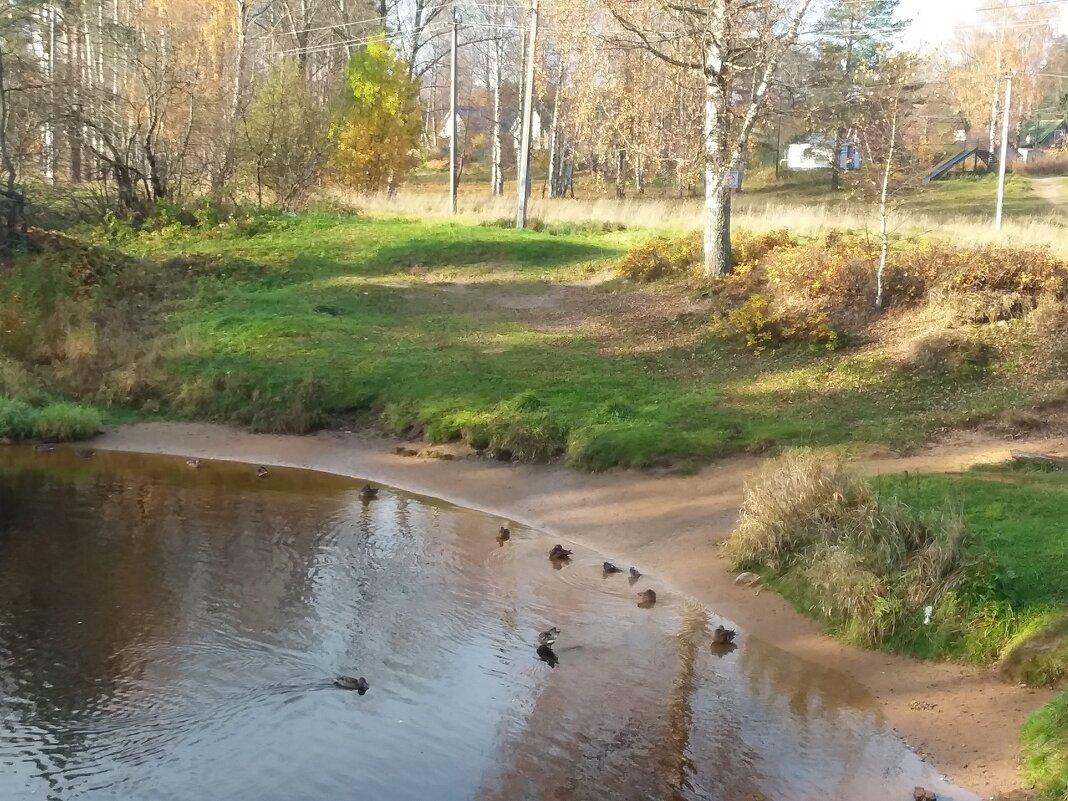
x: 192, y: 464
x: 635, y: 573
x: 548, y: 638
x: 559, y: 553
x: 548, y: 656
x: 646, y: 598
x: 610, y: 568
x: 923, y: 794
x: 723, y: 636
x: 43, y: 447
x: 86, y: 453
x: 368, y: 493
x: 504, y: 534
x: 360, y: 685
x: 261, y: 471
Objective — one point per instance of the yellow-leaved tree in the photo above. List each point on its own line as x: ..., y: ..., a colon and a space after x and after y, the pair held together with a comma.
x: 380, y: 122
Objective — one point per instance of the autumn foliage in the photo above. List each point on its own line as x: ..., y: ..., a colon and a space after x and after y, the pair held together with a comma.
x: 379, y: 126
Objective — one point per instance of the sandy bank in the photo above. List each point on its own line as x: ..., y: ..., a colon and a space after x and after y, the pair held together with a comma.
x: 963, y: 718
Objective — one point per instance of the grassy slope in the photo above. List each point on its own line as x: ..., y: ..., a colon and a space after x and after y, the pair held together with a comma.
x: 456, y: 361
x: 1017, y: 516
x: 1021, y: 524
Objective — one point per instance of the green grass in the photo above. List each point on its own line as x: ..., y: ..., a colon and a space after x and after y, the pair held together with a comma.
x: 1022, y: 525
x: 953, y: 196
x: 449, y: 330
x: 1044, y: 738
x: 53, y: 422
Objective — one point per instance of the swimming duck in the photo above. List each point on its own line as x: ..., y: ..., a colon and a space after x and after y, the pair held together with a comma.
x: 635, y: 573
x: 360, y: 685
x: 610, y: 568
x: 922, y: 794
x: 87, y: 453
x: 192, y: 463
x: 503, y: 534
x: 723, y: 636
x: 261, y: 471
x: 646, y: 598
x: 368, y: 493
x: 559, y: 553
x: 548, y: 638
x: 43, y: 447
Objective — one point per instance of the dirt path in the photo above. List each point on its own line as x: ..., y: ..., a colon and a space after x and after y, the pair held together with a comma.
x: 1054, y: 191
x: 963, y: 718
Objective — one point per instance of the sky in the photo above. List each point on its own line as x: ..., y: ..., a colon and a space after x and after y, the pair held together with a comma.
x: 934, y: 21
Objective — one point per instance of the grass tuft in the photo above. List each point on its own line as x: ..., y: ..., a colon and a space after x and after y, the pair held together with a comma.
x: 65, y: 422
x: 16, y: 419
x: 866, y: 565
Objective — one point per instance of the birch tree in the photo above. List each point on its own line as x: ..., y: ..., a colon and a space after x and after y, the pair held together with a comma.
x: 735, y: 46
x: 884, y: 130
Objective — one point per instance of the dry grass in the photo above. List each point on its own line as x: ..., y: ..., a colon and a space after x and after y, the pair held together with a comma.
x: 686, y: 214
x: 864, y: 565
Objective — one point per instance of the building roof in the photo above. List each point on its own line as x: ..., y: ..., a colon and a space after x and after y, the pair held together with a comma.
x: 1036, y: 132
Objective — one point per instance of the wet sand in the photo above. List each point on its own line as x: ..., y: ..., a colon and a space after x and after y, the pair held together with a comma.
x: 964, y: 719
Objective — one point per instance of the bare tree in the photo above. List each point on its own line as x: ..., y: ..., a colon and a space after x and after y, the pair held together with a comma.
x: 731, y: 44
x: 884, y: 129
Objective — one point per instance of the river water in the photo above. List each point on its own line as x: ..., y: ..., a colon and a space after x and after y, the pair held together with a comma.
x: 171, y: 634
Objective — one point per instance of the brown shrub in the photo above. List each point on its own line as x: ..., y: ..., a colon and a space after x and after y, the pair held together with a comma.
x: 761, y: 327
x: 948, y: 351
x: 662, y: 257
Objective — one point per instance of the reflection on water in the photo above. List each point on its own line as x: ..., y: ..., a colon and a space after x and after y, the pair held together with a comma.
x: 169, y: 633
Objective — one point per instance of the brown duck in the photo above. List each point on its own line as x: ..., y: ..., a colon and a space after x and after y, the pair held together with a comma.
x: 646, y: 598
x: 723, y: 636
x: 504, y: 534
x: 559, y: 553
x: 368, y: 493
x: 360, y: 685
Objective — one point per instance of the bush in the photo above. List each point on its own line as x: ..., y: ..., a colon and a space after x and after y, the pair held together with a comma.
x: 16, y: 419
x: 62, y: 422
x: 761, y: 328
x: 662, y: 257
x: 865, y: 566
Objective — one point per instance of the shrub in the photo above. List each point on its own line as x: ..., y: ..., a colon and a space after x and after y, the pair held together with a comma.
x: 658, y: 258
x: 761, y: 328
x: 948, y: 352
x: 865, y: 566
x: 60, y: 422
x: 16, y: 419
x: 662, y: 257
x: 835, y: 270
x: 748, y: 249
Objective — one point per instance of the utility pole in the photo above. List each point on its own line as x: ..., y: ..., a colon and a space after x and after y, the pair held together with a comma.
x: 523, y: 181
x: 452, y: 115
x: 1004, y: 151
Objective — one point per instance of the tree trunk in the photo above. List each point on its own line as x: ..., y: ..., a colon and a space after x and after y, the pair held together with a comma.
x: 639, y: 175
x: 884, y: 211
x: 717, y: 192
x: 621, y: 174
x: 497, y: 145
x: 992, y: 133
